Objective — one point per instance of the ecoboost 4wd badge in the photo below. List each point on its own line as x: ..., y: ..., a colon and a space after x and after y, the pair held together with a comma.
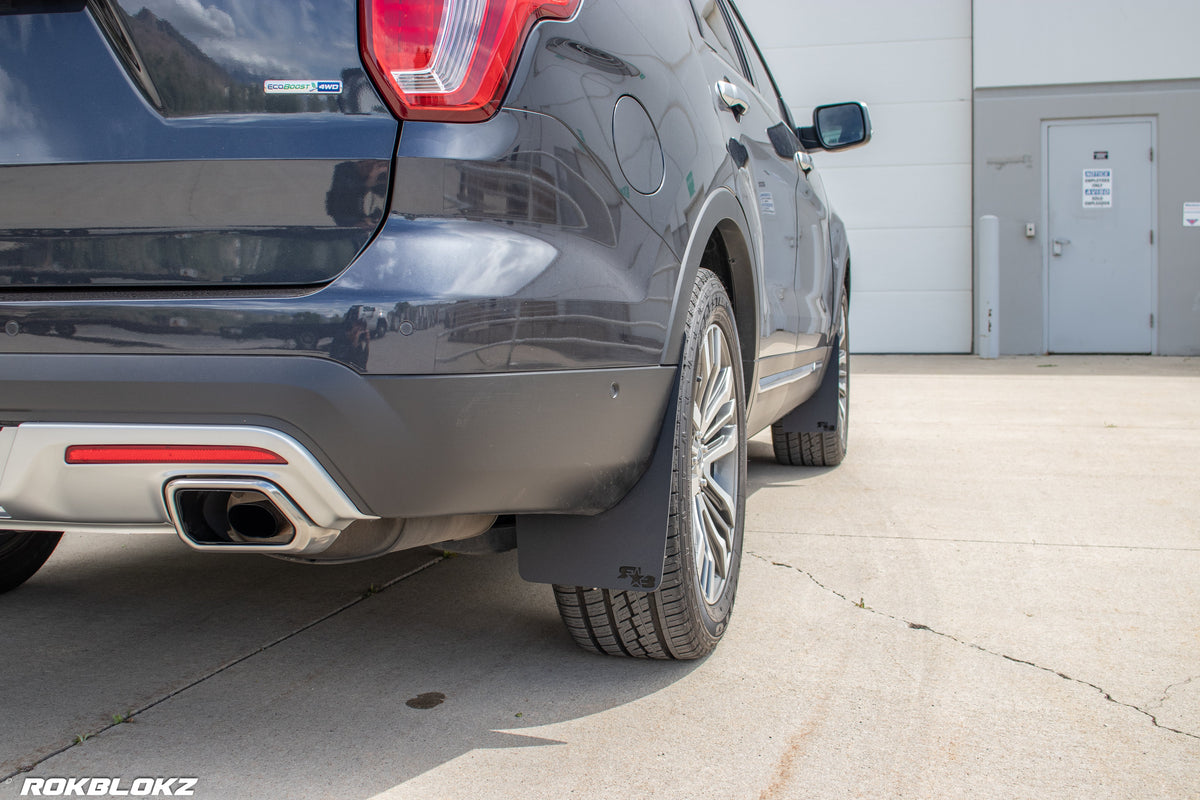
x: 302, y: 87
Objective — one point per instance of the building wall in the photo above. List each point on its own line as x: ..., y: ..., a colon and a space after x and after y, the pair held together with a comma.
x: 1009, y: 181
x: 906, y: 197
x: 958, y: 91
x: 1054, y: 42
x: 1037, y: 60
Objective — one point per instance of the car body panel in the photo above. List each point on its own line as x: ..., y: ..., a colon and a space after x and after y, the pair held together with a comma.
x: 524, y: 258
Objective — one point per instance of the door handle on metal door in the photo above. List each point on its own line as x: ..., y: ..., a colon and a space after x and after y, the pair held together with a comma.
x: 805, y: 161
x: 731, y: 97
x: 1057, y: 246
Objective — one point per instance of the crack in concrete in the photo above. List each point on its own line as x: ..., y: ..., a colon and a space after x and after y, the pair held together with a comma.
x: 1166, y: 693
x: 916, y: 626
x: 84, y: 737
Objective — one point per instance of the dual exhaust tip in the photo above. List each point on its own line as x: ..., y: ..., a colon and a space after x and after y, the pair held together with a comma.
x: 244, y: 514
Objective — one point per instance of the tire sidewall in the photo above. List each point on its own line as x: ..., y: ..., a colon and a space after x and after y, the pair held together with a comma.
x: 712, y: 306
x: 843, y: 343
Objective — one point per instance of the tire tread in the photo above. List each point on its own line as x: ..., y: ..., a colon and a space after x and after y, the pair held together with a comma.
x: 823, y: 449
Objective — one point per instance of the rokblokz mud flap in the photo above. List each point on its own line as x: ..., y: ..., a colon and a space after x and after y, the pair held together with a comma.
x: 819, y: 413
x: 622, y: 548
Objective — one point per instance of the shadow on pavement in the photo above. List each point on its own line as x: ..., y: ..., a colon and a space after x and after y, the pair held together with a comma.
x: 461, y: 656
x: 765, y: 472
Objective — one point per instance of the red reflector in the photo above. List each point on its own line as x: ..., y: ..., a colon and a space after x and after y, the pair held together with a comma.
x: 448, y: 60
x: 169, y: 454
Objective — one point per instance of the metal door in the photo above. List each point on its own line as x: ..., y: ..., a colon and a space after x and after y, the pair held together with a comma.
x: 1100, y: 237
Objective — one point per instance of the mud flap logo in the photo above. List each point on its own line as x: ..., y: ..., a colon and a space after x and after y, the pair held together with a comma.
x: 636, y: 578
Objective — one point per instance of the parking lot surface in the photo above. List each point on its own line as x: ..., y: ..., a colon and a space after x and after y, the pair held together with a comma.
x: 996, y: 595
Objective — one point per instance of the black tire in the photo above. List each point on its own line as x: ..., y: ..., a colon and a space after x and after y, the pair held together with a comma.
x: 826, y: 449
x: 688, y: 614
x: 22, y: 553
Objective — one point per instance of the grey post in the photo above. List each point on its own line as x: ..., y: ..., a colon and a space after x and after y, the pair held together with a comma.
x: 988, y: 318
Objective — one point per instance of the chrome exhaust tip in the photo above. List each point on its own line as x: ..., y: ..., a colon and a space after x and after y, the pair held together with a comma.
x: 254, y: 518
x: 243, y: 514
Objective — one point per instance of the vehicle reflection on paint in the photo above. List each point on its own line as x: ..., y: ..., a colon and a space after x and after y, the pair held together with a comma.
x: 483, y: 267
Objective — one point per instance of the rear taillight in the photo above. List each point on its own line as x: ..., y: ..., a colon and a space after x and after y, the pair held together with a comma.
x: 448, y: 60
x: 169, y: 454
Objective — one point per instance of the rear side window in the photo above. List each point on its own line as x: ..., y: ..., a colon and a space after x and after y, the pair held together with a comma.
x: 761, y: 76
x: 715, y: 28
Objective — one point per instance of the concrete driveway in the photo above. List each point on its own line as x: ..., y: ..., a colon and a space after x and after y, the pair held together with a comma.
x: 997, y: 595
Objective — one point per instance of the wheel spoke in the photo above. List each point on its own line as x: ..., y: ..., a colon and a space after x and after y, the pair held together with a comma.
x: 708, y: 355
x: 717, y: 534
x: 720, y: 410
x: 705, y: 561
x: 706, y: 367
x: 704, y: 373
x: 721, y: 446
x: 721, y: 500
x: 708, y: 578
x: 717, y: 390
x: 698, y: 535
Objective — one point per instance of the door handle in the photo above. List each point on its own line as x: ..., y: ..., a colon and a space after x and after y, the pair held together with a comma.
x: 731, y: 97
x: 805, y: 161
x: 1057, y: 246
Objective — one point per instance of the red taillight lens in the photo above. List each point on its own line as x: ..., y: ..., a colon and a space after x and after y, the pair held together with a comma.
x: 448, y: 60
x: 169, y: 454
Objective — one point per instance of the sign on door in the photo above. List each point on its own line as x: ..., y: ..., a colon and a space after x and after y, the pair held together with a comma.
x: 1097, y: 188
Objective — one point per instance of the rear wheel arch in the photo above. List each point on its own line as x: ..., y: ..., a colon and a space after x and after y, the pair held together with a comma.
x: 841, y: 289
x: 840, y: 256
x: 719, y: 243
x: 846, y: 279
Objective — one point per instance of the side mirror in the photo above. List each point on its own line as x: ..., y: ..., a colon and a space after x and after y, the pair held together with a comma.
x: 837, y: 127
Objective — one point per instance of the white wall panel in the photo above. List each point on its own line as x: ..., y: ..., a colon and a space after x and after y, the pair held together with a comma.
x: 906, y: 197
x: 889, y: 72
x: 1047, y: 42
x: 910, y: 260
x: 910, y: 322
x: 909, y: 134
x: 901, y: 197
x: 778, y: 23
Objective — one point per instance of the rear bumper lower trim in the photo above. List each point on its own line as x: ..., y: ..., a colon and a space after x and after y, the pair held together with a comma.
x: 40, y: 491
x: 559, y: 442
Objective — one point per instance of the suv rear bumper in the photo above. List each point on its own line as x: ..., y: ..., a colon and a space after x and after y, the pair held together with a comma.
x: 569, y: 442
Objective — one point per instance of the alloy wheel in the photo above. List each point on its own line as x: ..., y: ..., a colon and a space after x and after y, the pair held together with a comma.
x: 714, y: 463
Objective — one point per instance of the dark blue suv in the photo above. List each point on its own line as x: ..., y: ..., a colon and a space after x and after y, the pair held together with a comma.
x: 331, y: 279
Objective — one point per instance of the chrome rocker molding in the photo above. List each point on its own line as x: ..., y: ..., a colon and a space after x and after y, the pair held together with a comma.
x: 40, y: 491
x: 788, y: 377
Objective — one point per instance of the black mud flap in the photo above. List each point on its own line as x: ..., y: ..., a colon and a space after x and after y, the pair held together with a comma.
x: 622, y: 548
x: 819, y: 413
